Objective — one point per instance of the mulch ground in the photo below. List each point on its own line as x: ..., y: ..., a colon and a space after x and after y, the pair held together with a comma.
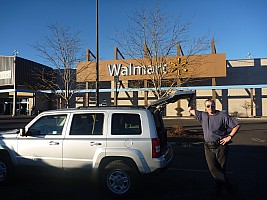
x: 179, y: 134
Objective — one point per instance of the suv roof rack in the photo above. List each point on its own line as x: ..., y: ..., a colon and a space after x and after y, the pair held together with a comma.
x: 113, y: 106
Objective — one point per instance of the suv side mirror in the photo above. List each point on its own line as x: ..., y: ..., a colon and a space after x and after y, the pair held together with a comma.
x: 22, y: 132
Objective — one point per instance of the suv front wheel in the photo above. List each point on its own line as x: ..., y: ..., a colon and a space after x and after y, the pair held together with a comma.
x: 6, y: 170
x: 118, y: 178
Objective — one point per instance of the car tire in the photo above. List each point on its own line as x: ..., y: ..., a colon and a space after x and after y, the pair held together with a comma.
x: 119, y: 179
x: 6, y: 170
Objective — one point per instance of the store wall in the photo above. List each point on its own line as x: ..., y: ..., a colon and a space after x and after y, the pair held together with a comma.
x: 233, y: 101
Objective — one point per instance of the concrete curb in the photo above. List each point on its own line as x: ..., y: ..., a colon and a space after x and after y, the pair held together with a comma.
x: 238, y: 118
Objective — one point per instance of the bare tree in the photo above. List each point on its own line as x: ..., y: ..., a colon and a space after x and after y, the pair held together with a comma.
x: 246, y: 105
x: 152, y: 37
x: 62, y: 50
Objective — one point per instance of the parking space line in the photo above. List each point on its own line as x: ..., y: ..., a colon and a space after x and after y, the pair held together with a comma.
x: 258, y: 140
x: 195, y: 170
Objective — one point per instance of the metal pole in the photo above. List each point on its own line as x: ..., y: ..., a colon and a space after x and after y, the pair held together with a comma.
x: 14, y: 84
x: 97, y: 58
x: 116, y: 80
x: 251, y: 101
x: 116, y: 93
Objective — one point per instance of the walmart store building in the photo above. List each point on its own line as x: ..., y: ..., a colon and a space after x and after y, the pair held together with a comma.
x: 19, y: 86
x: 238, y: 86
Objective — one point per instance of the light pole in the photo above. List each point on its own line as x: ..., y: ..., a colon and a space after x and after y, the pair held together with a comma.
x: 116, y: 80
x: 97, y: 58
x: 14, y: 84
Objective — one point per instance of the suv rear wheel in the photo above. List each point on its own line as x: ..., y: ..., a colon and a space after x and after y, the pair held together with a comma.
x: 118, y: 178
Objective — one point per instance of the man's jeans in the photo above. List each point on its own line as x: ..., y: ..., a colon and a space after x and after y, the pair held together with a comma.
x: 216, y: 157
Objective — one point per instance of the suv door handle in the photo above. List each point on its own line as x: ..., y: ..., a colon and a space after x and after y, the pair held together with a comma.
x: 95, y: 143
x: 53, y: 143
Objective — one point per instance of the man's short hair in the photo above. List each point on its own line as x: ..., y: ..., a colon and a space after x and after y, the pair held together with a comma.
x: 210, y: 100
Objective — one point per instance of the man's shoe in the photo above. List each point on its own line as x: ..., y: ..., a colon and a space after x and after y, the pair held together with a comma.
x: 218, y: 192
x: 234, y: 191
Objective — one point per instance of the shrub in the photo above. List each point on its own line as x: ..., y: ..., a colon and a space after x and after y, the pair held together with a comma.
x: 177, y: 130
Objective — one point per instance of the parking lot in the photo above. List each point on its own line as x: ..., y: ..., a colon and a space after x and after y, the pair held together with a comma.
x: 187, y: 177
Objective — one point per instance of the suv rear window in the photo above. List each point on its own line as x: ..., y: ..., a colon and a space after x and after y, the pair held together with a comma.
x: 126, y: 124
x: 87, y: 124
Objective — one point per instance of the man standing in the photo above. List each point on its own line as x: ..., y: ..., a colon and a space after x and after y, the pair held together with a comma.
x: 215, y: 125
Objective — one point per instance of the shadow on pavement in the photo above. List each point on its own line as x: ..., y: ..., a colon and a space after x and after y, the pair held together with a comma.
x: 186, y: 179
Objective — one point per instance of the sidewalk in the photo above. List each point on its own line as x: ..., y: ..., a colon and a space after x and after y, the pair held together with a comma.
x: 238, y: 118
x: 7, y: 122
x: 10, y: 117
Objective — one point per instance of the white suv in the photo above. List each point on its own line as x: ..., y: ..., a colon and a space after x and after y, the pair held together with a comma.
x: 116, y: 145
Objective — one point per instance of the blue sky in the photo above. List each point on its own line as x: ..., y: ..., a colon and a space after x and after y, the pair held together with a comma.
x: 238, y: 26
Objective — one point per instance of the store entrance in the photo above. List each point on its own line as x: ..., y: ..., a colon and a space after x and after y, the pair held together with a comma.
x: 23, y: 106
